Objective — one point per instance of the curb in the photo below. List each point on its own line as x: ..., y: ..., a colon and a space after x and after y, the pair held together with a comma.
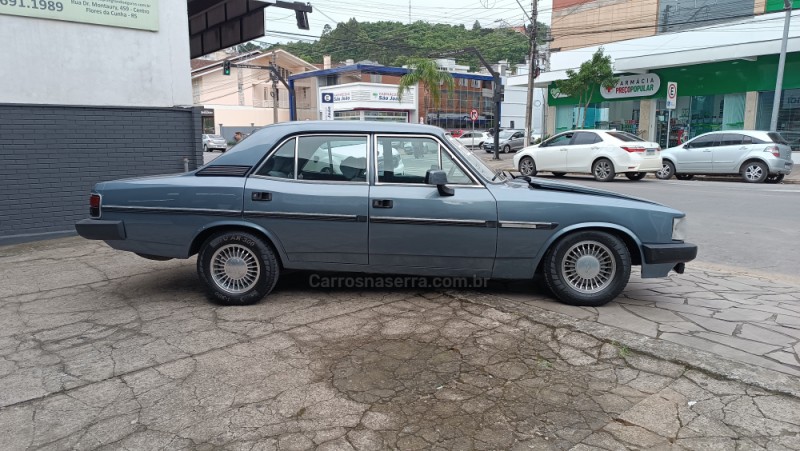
x: 706, y: 362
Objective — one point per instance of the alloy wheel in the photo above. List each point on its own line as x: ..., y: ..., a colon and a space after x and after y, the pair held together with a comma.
x: 235, y: 268
x: 588, y: 267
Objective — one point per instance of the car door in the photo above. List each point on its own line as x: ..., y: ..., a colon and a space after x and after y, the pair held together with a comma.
x: 312, y: 194
x: 551, y: 155
x: 695, y: 156
x: 517, y: 141
x: 726, y: 155
x: 582, y: 150
x: 414, y: 229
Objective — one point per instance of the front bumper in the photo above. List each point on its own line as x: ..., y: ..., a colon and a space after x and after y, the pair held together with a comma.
x: 98, y: 229
x: 669, y: 253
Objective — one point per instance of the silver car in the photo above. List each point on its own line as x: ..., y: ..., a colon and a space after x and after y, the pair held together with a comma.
x: 211, y: 142
x: 757, y: 156
x: 510, y: 141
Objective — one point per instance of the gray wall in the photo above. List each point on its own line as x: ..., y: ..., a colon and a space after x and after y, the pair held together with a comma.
x: 51, y: 156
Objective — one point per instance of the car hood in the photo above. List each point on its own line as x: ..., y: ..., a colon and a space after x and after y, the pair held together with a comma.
x: 548, y: 185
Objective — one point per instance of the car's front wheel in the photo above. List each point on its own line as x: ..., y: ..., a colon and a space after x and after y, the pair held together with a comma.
x: 527, y: 166
x: 667, y: 170
x: 754, y: 172
x: 506, y: 148
x: 635, y: 175
x: 237, y: 268
x: 205, y: 148
x: 603, y: 170
x: 587, y: 268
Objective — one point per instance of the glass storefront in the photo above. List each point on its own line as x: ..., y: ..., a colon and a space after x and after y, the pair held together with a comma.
x: 453, y: 110
x: 606, y: 115
x: 788, y: 114
x: 696, y: 115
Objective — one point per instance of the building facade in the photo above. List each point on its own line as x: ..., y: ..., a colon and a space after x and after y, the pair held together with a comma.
x: 102, y: 97
x: 359, y: 91
x: 725, y: 75
x: 245, y: 100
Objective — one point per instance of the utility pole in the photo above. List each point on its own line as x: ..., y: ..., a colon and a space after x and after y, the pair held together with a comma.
x: 274, y: 89
x: 776, y: 101
x: 240, y: 83
x: 531, y: 74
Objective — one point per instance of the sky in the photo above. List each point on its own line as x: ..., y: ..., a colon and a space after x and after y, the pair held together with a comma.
x: 490, y: 14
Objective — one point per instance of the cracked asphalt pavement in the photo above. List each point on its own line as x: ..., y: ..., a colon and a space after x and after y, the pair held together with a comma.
x: 101, y: 349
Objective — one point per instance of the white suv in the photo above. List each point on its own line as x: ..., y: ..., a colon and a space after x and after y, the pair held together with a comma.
x: 602, y: 153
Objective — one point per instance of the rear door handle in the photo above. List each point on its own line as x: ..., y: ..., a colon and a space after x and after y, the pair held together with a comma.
x: 382, y: 203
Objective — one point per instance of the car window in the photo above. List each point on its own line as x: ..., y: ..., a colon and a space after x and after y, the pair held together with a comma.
x: 625, y: 136
x: 518, y: 135
x: 559, y: 140
x: 585, y: 138
x: 422, y: 154
x: 730, y: 139
x: 703, y: 141
x: 475, y: 162
x: 455, y: 174
x: 506, y: 134
x: 332, y: 158
x: 281, y: 163
x: 747, y: 139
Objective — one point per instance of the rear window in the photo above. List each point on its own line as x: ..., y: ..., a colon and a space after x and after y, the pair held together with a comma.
x: 625, y: 136
x: 777, y: 138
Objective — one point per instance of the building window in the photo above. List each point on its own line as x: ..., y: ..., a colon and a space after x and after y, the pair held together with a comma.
x: 376, y: 78
x: 386, y: 116
x: 347, y: 115
x: 197, y: 87
x: 788, y: 115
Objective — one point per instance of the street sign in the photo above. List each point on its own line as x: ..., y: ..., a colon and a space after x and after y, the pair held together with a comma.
x: 672, y: 95
x: 474, y: 115
x: 327, y: 106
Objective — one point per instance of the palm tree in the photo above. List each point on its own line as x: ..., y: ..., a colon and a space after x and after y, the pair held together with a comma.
x: 427, y: 73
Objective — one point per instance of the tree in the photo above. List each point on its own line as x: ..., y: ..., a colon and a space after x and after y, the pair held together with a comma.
x: 476, y: 26
x: 428, y: 74
x: 597, y: 72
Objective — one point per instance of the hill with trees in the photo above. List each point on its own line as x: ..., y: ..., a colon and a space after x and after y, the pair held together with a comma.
x: 394, y: 43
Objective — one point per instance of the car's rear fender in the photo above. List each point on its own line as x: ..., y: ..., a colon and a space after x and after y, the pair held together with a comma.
x: 269, y: 238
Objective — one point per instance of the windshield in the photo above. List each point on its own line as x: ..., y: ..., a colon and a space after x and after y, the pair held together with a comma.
x: 474, y: 161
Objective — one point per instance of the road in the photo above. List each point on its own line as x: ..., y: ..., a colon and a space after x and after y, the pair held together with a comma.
x: 750, y: 227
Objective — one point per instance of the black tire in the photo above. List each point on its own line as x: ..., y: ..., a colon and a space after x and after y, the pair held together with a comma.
x: 667, y: 170
x: 754, y: 172
x: 559, y: 174
x: 205, y: 148
x: 684, y: 176
x: 506, y: 148
x: 774, y: 178
x: 247, y: 251
x: 603, y: 170
x: 635, y: 175
x: 527, y: 166
x: 571, y: 266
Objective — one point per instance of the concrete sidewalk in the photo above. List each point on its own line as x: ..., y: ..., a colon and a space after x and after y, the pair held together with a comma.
x: 101, y: 349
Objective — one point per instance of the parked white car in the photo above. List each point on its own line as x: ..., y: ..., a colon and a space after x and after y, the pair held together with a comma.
x: 757, y: 156
x: 473, y: 140
x: 602, y: 153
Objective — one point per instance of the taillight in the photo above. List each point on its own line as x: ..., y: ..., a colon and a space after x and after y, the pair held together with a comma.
x: 633, y: 149
x: 94, y: 205
x: 775, y: 150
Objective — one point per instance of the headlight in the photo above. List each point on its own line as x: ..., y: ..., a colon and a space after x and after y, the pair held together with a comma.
x: 679, y: 228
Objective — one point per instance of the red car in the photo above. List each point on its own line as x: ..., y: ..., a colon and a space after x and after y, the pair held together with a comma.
x: 456, y: 133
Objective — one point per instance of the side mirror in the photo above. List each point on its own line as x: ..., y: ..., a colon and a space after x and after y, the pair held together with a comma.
x: 439, y: 178
x: 685, y: 146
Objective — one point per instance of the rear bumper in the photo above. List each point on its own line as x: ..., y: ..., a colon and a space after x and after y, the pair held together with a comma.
x: 781, y: 166
x: 669, y: 253
x: 98, y: 229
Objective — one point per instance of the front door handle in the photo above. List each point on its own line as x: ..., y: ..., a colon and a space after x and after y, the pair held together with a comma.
x: 382, y: 203
x: 260, y: 196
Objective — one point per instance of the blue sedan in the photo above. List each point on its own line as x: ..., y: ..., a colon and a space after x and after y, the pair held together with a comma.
x: 327, y: 196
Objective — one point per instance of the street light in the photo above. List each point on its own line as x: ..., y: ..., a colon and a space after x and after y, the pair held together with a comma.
x: 776, y: 100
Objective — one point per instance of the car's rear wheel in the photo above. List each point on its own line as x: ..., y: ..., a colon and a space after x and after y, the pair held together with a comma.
x: 587, y: 268
x: 667, y: 170
x: 603, y: 170
x: 774, y: 178
x: 635, y: 175
x: 684, y: 176
x: 237, y: 268
x: 205, y: 148
x: 754, y: 172
x: 527, y: 166
x: 559, y: 174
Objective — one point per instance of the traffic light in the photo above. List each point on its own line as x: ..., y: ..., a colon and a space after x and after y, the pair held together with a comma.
x: 226, y: 68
